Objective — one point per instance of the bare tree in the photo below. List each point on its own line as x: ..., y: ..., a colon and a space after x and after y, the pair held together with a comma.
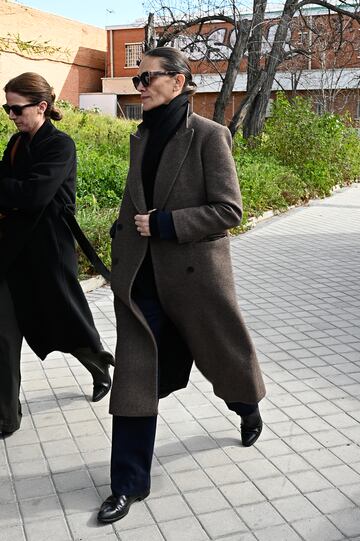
x: 190, y: 25
x: 150, y: 33
x: 337, y: 47
x: 330, y: 49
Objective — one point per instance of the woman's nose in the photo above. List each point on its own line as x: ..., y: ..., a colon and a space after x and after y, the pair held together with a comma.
x: 12, y: 116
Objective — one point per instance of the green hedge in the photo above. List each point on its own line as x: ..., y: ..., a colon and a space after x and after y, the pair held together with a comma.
x: 96, y: 222
x: 103, y: 155
x: 322, y: 149
x: 299, y: 155
x: 265, y: 182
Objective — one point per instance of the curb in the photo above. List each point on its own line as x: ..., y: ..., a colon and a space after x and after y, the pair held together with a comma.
x: 252, y: 222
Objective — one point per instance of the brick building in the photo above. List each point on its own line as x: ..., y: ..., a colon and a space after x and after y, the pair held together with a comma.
x: 331, y: 76
x: 74, y: 62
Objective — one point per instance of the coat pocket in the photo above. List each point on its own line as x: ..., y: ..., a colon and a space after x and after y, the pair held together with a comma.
x: 212, y: 238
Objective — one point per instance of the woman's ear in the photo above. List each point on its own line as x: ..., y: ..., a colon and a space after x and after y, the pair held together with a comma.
x: 179, y: 82
x: 42, y: 106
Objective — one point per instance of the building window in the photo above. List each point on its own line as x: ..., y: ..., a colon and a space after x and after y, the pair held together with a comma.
x: 133, y: 112
x: 303, y: 37
x: 358, y: 110
x: 133, y: 53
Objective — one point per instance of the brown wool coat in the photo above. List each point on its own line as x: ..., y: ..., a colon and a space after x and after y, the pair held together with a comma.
x: 197, y: 181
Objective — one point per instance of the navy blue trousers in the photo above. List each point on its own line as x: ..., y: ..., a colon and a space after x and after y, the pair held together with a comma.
x: 133, y: 438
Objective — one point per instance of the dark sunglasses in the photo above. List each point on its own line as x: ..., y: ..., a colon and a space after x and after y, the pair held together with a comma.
x: 146, y: 76
x: 17, y: 109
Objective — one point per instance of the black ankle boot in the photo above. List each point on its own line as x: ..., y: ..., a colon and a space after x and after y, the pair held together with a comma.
x: 97, y: 363
x: 250, y: 428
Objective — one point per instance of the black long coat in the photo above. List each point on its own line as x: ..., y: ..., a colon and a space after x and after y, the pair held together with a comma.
x: 37, y: 251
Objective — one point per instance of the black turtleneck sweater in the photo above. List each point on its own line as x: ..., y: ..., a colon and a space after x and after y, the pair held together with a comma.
x: 162, y: 123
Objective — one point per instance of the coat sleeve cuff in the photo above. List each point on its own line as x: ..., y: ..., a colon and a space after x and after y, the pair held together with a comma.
x: 161, y: 225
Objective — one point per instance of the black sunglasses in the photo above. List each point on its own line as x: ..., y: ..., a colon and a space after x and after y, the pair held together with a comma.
x: 146, y: 76
x: 17, y: 109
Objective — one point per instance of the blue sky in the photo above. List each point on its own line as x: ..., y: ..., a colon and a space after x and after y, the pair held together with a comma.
x: 103, y: 12
x: 97, y: 12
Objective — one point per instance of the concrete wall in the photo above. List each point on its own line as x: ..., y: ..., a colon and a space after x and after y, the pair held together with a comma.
x: 77, y: 68
x: 106, y: 103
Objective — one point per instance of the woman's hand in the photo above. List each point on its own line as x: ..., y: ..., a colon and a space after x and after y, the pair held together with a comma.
x: 142, y: 224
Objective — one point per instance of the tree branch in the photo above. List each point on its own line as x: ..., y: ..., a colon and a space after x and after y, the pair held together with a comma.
x: 330, y: 7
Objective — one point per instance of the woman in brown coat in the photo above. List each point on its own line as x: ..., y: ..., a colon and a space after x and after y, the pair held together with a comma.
x: 175, y: 298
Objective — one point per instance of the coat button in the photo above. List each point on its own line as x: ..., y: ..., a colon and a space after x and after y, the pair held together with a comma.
x: 119, y: 226
x: 115, y: 261
x: 190, y: 270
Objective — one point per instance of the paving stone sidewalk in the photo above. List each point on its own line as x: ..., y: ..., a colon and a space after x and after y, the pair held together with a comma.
x: 298, y: 279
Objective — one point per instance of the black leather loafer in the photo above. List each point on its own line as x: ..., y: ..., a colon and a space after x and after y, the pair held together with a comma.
x: 116, y: 507
x: 250, y: 428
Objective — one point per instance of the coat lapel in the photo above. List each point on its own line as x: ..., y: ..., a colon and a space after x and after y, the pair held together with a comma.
x: 170, y: 164
x: 171, y: 161
x: 137, y: 147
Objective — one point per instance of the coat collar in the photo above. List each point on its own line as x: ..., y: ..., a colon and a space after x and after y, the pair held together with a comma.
x: 171, y: 161
x: 45, y: 130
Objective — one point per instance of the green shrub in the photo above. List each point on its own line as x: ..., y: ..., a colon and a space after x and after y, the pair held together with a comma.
x: 322, y: 149
x: 101, y: 177
x: 268, y: 185
x: 265, y: 183
x: 96, y: 223
x: 7, y: 128
x: 97, y: 131
x: 103, y: 154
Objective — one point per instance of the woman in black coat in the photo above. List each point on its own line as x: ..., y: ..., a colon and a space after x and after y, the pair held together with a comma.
x: 40, y: 296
